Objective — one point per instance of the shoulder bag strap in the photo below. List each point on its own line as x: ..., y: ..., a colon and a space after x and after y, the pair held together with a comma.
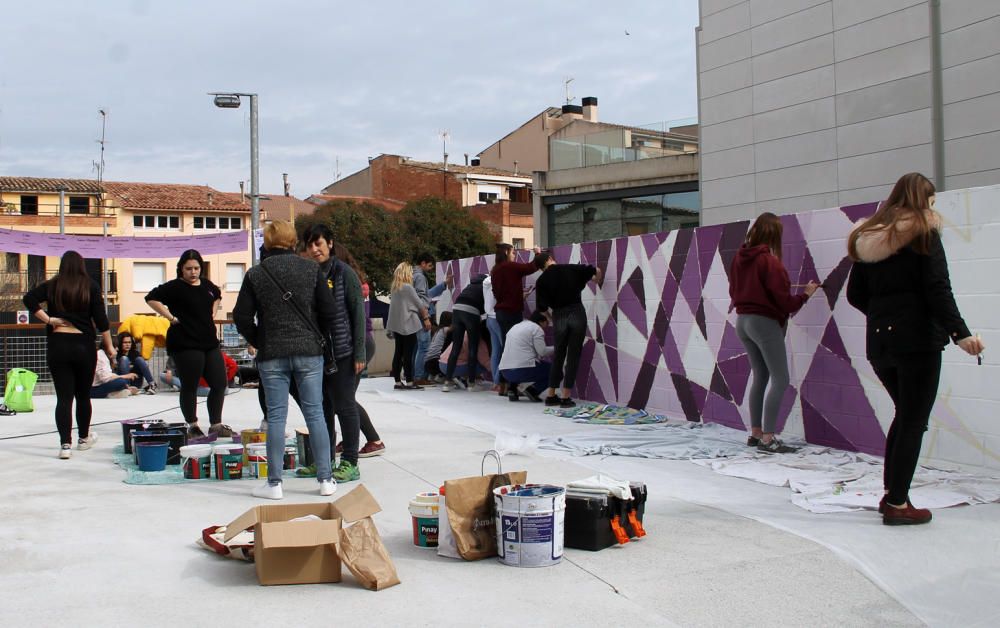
x: 288, y: 297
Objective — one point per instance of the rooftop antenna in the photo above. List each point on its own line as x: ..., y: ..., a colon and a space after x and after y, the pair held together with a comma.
x: 569, y: 98
x: 444, y: 146
x: 336, y: 169
x: 100, y: 165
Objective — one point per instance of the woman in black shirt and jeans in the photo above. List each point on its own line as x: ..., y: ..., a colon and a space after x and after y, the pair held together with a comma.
x: 190, y: 303
x: 74, y: 308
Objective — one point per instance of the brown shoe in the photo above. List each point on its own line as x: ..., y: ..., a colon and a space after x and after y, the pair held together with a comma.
x: 908, y: 515
x: 424, y: 382
x: 371, y: 449
x: 221, y: 430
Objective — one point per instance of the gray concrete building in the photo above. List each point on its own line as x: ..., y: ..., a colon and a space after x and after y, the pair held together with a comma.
x: 808, y: 104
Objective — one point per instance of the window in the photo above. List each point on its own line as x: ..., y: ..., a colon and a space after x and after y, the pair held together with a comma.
x: 234, y: 277
x: 29, y: 205
x: 147, y: 275
x: 218, y: 223
x: 163, y: 222
x: 13, y: 262
x: 518, y: 243
x: 488, y: 197
x: 79, y: 205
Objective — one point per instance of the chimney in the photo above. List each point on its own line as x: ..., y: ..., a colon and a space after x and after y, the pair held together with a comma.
x: 466, y: 159
x: 284, y: 181
x: 209, y: 198
x: 590, y: 109
x: 515, y: 167
x: 475, y: 161
x: 243, y: 194
x: 572, y: 112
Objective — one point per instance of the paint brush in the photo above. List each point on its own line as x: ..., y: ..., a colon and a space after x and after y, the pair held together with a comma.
x: 979, y: 356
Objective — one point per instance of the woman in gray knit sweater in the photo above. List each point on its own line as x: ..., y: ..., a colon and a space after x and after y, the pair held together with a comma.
x: 407, y: 316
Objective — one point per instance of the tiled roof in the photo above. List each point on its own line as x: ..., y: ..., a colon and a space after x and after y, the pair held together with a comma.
x: 38, y: 184
x: 174, y: 196
x: 322, y: 199
x: 459, y: 169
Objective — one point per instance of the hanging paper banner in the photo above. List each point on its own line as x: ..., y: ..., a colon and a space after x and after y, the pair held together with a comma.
x: 92, y: 247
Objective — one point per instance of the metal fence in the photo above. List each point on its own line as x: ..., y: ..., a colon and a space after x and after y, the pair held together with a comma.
x: 26, y: 346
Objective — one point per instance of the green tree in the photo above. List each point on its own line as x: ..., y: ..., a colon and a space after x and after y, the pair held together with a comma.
x: 444, y: 229
x: 373, y: 235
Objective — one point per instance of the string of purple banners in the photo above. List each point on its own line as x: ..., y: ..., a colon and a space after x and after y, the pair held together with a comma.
x: 93, y: 247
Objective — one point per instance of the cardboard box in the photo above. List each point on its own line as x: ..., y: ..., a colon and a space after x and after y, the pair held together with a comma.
x: 301, y: 552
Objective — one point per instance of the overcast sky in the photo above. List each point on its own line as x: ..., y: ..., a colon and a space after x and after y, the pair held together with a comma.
x: 347, y: 80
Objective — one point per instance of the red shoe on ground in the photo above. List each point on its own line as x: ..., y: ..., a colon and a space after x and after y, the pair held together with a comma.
x: 908, y: 515
x: 371, y: 449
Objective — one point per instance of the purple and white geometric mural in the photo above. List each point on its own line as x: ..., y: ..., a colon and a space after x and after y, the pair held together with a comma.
x: 661, y: 336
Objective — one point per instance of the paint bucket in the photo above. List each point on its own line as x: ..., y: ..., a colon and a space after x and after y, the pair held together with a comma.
x: 424, y: 512
x: 530, y: 520
x: 131, y: 425
x: 247, y: 438
x: 174, y: 437
x: 228, y: 462
x: 144, y: 436
x: 290, y: 457
x: 256, y: 455
x: 197, y: 461
x: 152, y: 455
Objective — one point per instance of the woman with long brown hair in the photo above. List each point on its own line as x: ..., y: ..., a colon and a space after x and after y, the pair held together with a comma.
x: 407, y: 316
x: 73, y: 316
x: 761, y: 293
x: 900, y: 282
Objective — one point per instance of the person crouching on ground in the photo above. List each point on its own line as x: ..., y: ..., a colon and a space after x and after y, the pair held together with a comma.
x: 129, y: 361
x: 559, y: 289
x: 441, y: 340
x: 288, y: 348
x: 900, y: 282
x: 407, y: 316
x: 108, y: 384
x: 526, y: 358
x: 761, y: 293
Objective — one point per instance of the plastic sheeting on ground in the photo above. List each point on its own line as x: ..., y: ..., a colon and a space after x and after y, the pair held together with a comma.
x: 674, y: 441
x: 606, y: 414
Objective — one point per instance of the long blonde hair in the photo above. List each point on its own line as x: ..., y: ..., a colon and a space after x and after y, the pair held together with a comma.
x: 402, y: 276
x: 904, y: 216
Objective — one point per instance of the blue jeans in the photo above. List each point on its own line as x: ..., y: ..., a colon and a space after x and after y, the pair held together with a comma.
x: 496, y: 347
x: 538, y: 375
x: 139, y: 367
x: 423, y: 341
x: 101, y: 391
x: 275, y: 378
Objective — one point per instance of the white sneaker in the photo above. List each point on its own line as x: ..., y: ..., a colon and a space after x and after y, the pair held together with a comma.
x: 65, y: 452
x: 266, y: 491
x: 327, y: 487
x: 87, y: 443
x: 447, y: 387
x: 459, y: 384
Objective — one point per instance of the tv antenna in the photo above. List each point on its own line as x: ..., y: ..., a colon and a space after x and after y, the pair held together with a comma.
x: 569, y: 98
x: 99, y: 165
x: 444, y: 146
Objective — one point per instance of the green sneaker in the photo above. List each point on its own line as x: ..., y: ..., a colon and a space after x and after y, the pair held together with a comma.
x: 306, y: 472
x: 346, y: 472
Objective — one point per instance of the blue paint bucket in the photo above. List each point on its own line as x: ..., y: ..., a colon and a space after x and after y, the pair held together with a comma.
x: 152, y: 455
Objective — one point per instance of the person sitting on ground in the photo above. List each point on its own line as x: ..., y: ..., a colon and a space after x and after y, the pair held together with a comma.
x: 526, y: 357
x: 108, y: 384
x: 441, y: 340
x: 129, y: 360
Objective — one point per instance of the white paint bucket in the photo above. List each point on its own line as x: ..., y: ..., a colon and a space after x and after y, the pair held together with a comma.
x: 256, y: 454
x: 424, y: 510
x: 530, y: 520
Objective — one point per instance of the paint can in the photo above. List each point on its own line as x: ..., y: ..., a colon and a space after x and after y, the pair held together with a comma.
x: 228, y: 462
x: 424, y: 508
x: 247, y: 438
x: 196, y: 461
x: 530, y: 521
x: 290, y: 457
x: 132, y: 425
x: 256, y: 455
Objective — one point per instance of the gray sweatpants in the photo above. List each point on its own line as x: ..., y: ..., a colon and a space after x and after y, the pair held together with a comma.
x: 764, y: 339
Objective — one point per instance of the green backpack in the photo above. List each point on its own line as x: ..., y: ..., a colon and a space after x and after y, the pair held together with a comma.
x: 17, y: 394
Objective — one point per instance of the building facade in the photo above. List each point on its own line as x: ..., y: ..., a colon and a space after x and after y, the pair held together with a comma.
x: 810, y: 104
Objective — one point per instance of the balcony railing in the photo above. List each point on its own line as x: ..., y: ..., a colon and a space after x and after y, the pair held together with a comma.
x: 623, y: 144
x: 92, y: 209
x: 13, y: 284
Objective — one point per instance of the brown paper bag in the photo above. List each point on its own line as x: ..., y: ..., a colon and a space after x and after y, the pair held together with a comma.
x: 471, y: 512
x: 361, y: 549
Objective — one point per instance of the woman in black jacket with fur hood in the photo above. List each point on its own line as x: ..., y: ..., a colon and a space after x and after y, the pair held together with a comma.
x: 900, y: 282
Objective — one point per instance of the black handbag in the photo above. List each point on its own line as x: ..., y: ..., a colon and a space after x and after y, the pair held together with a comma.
x: 329, y: 360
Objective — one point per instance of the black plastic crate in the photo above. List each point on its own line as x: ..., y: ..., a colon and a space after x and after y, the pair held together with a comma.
x: 588, y: 517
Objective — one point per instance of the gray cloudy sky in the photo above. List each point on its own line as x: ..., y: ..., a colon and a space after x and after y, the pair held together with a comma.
x: 335, y: 79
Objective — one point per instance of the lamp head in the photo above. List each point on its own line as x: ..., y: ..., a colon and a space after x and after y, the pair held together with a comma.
x: 227, y: 101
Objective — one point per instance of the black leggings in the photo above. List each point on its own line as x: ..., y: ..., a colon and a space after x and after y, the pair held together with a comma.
x: 402, y: 358
x: 464, y: 323
x: 912, y: 382
x: 570, y: 325
x: 193, y: 364
x: 72, y: 360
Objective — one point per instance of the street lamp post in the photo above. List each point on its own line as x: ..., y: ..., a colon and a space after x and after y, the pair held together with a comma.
x: 231, y: 100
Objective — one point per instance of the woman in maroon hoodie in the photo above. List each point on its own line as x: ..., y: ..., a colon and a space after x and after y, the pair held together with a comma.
x: 761, y: 293
x: 507, y: 278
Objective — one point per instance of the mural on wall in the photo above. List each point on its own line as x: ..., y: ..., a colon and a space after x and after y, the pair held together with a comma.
x: 661, y: 335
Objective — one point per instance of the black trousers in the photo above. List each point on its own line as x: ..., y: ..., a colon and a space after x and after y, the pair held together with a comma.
x: 402, y: 357
x: 193, y: 364
x: 464, y: 323
x: 912, y: 382
x: 72, y: 360
x: 570, y: 325
x: 338, y: 399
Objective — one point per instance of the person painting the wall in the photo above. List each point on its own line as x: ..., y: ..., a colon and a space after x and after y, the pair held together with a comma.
x: 190, y: 302
x: 526, y: 357
x: 559, y: 291
x: 74, y: 309
x: 761, y: 294
x: 900, y: 282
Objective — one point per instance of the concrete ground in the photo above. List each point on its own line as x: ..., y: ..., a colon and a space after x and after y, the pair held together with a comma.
x: 80, y: 546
